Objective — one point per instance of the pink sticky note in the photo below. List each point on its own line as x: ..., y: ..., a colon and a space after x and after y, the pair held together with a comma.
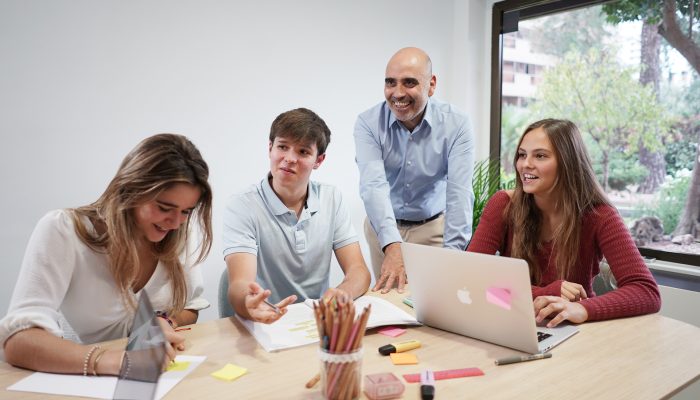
x: 499, y: 297
x: 392, y: 331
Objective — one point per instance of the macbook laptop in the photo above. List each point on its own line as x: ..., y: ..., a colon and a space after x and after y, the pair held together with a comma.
x: 477, y: 295
x: 145, y: 355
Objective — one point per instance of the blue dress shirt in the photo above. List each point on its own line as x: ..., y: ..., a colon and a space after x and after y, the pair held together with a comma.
x: 416, y: 175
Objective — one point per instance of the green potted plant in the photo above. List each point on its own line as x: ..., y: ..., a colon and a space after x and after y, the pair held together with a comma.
x: 486, y: 182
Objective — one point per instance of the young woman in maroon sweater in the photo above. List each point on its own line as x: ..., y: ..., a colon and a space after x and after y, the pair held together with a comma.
x: 560, y: 221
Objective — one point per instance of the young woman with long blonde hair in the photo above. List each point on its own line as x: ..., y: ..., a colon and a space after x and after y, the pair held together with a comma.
x: 84, y: 268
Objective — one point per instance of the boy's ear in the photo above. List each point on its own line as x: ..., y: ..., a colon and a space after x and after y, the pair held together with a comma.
x: 319, y: 160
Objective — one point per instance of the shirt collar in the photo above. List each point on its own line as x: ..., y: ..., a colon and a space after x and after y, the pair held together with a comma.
x: 313, y: 202
x: 427, y: 115
x: 276, y: 205
x: 429, y: 111
x: 278, y: 208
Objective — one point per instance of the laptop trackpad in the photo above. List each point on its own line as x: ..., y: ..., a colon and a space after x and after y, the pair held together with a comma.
x: 553, y: 336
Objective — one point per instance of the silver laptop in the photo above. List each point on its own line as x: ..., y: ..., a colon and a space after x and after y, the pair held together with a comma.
x: 477, y: 295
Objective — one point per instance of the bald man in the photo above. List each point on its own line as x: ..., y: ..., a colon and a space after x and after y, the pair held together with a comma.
x: 416, y: 158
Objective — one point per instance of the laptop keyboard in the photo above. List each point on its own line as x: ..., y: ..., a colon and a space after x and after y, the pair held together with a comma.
x: 542, y: 336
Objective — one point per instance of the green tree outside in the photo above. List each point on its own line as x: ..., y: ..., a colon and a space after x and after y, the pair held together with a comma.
x: 604, y: 100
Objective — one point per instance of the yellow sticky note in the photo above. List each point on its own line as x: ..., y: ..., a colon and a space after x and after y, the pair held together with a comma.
x: 229, y: 372
x: 403, y: 358
x: 178, y: 366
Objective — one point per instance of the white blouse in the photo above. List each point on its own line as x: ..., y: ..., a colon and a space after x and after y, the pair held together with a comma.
x: 63, y: 280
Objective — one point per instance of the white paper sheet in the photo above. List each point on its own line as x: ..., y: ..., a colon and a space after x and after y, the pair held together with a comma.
x: 383, y: 313
x: 298, y: 326
x: 100, y: 387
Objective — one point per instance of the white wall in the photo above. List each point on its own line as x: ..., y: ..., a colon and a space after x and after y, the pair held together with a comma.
x: 82, y: 81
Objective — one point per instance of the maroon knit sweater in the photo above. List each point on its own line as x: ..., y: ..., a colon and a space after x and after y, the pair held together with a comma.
x: 603, y: 234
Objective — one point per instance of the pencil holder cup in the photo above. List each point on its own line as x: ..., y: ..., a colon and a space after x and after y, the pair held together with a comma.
x: 341, y: 374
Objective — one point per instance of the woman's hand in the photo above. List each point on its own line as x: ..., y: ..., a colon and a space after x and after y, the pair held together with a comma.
x: 572, y: 291
x: 174, y: 339
x: 257, y: 308
x: 558, y: 309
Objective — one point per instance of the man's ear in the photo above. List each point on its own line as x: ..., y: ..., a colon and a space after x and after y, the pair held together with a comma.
x: 269, y: 147
x: 433, y: 84
x: 319, y: 160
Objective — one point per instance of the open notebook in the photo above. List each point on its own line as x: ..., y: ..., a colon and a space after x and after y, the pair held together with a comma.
x: 298, y: 327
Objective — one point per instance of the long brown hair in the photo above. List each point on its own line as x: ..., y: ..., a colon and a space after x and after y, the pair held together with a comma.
x: 153, y: 166
x: 577, y: 191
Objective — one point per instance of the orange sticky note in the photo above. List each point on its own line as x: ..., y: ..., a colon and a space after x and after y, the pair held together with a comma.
x: 499, y: 297
x: 403, y: 358
x: 229, y: 372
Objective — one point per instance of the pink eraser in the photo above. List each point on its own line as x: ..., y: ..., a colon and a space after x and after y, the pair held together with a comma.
x: 383, y: 386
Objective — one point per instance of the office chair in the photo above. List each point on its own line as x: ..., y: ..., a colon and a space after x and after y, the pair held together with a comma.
x: 604, y: 281
x: 225, y: 308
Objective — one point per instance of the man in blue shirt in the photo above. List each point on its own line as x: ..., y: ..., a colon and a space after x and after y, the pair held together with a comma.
x: 416, y: 158
x: 280, y: 234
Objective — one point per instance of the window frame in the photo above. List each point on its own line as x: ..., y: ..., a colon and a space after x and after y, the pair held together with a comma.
x: 504, y: 18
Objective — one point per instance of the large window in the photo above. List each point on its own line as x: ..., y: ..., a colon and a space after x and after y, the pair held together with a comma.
x: 635, y: 97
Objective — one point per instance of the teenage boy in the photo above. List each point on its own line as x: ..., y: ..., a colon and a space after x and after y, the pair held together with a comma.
x: 280, y: 233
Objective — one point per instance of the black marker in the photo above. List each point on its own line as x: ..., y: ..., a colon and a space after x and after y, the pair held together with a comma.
x: 427, y: 385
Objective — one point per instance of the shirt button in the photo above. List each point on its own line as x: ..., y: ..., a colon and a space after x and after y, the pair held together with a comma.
x: 408, y: 184
x: 409, y: 163
x: 410, y: 138
x: 406, y: 204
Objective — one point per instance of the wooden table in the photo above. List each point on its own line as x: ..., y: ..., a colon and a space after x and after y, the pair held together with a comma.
x: 646, y: 357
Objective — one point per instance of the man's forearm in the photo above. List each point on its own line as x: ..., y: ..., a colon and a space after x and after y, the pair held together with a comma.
x: 355, y: 283
x: 237, y: 292
x: 458, y: 217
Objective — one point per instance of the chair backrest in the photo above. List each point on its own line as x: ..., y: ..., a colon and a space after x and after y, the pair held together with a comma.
x: 604, y: 281
x: 225, y: 308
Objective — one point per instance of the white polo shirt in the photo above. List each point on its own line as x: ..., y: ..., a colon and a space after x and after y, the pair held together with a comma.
x: 293, y: 254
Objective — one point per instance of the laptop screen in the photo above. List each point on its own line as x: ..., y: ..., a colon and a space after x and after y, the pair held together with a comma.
x: 144, y: 357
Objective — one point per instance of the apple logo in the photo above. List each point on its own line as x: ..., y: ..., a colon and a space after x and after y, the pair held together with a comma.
x: 463, y: 296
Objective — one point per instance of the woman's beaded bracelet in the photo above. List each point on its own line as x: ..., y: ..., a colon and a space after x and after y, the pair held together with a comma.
x: 128, y: 365
x: 164, y: 315
x: 86, y: 362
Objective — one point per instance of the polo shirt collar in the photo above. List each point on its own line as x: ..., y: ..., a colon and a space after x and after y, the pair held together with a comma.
x: 313, y: 202
x: 278, y: 208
